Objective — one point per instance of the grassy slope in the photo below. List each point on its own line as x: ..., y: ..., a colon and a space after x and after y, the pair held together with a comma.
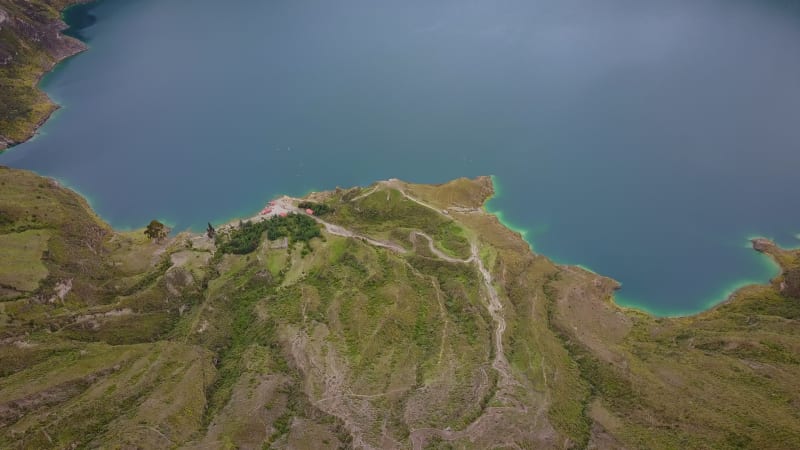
x: 21, y: 260
x: 164, y: 345
x: 30, y: 44
x: 726, y: 378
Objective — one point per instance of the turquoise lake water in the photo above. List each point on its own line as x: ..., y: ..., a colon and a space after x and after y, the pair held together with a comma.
x: 645, y: 140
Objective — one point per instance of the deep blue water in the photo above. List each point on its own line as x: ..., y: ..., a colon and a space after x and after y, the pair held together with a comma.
x: 646, y: 140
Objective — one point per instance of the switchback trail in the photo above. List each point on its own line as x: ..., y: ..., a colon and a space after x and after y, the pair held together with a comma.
x: 494, y: 306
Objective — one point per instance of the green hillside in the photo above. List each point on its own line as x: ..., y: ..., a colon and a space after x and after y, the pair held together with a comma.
x: 379, y: 332
x: 30, y: 45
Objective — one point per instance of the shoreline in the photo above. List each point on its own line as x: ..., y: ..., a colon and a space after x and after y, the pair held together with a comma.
x: 7, y: 143
x: 284, y: 203
x: 729, y: 293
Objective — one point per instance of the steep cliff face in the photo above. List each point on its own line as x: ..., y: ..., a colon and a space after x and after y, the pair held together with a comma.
x: 30, y: 44
x: 405, y: 317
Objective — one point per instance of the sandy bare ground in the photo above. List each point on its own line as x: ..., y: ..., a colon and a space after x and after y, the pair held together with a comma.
x: 283, y: 205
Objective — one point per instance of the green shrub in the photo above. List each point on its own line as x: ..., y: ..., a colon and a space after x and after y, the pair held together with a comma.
x: 245, y: 239
x: 320, y: 209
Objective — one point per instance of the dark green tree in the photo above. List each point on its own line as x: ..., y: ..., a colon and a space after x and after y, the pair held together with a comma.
x: 210, y: 231
x: 320, y: 209
x: 156, y: 230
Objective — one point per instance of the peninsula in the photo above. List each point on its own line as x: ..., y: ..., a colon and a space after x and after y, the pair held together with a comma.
x: 396, y: 315
x: 393, y: 316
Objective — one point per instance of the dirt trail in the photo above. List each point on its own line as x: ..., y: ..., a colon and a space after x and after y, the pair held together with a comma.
x: 396, y: 184
x: 439, y: 254
x: 365, y: 194
x: 320, y: 362
x: 494, y: 306
x: 341, y: 231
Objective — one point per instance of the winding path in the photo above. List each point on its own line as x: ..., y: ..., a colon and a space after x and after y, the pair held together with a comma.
x: 494, y: 307
x: 341, y: 231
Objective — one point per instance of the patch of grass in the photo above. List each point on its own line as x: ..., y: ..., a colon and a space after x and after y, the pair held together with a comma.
x: 237, y: 330
x: 386, y: 210
x: 570, y: 412
x: 21, y: 265
x: 452, y: 238
x: 128, y: 329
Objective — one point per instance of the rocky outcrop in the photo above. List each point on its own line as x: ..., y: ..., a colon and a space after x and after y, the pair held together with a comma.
x: 762, y: 245
x: 789, y: 281
x: 35, y: 25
